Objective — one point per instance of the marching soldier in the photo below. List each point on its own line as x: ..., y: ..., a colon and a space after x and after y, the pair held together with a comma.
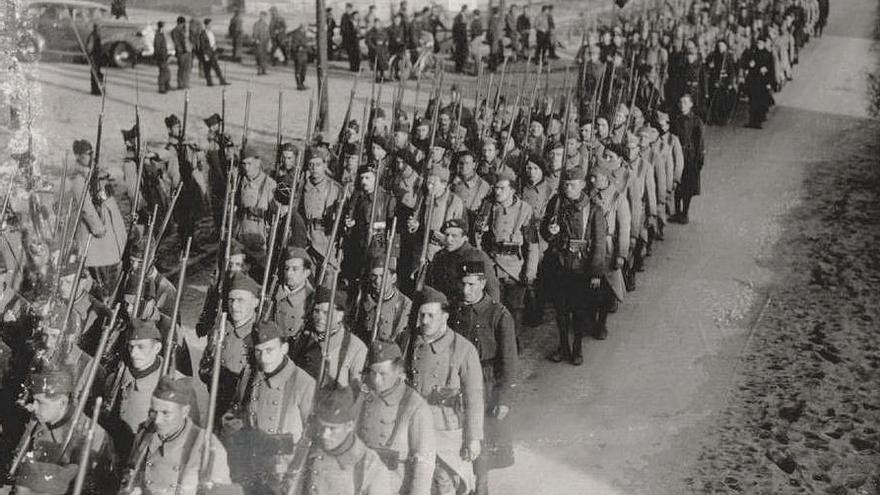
x: 576, y: 231
x: 294, y: 297
x: 396, y: 422
x: 256, y: 204
x: 277, y: 402
x: 237, y: 262
x: 446, y: 206
x: 363, y: 232
x: 490, y: 327
x: 218, y: 155
x: 346, y: 354
x: 299, y: 52
x: 261, y: 37
x: 100, y: 218
x: 52, y: 408
x: 444, y: 367
x: 320, y: 200
x: 470, y: 187
x: 339, y: 463
x: 191, y: 177
x: 170, y: 447
x: 443, y: 270
x: 396, y: 307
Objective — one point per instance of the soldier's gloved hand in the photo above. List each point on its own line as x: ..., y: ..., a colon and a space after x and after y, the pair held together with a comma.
x: 231, y: 424
x: 412, y: 225
x: 500, y: 411
x: 553, y: 228
x: 471, y: 451
x: 594, y: 282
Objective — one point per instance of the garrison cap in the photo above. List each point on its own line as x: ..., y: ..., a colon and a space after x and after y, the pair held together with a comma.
x: 378, y: 113
x: 384, y: 351
x: 430, y: 295
x: 617, y: 149
x: 240, y: 281
x: 574, y: 173
x: 144, y: 330
x: 505, y: 174
x: 538, y: 160
x: 354, y: 125
x: 296, y: 253
x: 171, y: 121
x: 367, y: 168
x: 171, y: 390
x: 379, y: 141
x: 52, y: 382
x: 213, y: 120
x: 455, y: 223
x: 250, y: 151
x: 81, y: 146
x: 378, y: 261
x: 268, y: 330
x: 649, y: 132
x: 323, y: 293
x: 236, y: 248
x: 46, y: 478
x: 288, y: 146
x: 336, y: 406
x: 440, y: 172
x: 130, y: 134
x: 318, y: 153
x: 471, y: 267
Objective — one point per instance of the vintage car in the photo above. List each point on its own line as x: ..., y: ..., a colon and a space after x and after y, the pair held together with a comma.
x: 62, y: 27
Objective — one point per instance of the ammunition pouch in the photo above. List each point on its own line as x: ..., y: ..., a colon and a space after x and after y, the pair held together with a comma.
x: 573, y: 254
x: 389, y: 457
x: 446, y: 397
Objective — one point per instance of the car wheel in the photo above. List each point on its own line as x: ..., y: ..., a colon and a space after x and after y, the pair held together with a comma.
x: 122, y: 55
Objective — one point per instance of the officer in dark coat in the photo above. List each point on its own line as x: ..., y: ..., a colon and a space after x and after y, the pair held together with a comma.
x: 689, y: 129
x: 722, y: 84
x: 377, y: 42
x: 575, y: 228
x: 182, y: 52
x: 350, y: 44
x: 299, y: 52
x: 96, y: 58
x: 490, y: 327
x: 460, y: 40
x: 160, y: 55
x: 758, y: 64
x: 397, y: 43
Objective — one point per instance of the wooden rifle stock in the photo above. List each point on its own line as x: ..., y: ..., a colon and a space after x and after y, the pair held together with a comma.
x: 207, y: 458
x: 170, y: 340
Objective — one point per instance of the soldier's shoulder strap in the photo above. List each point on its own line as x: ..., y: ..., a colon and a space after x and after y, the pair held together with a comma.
x: 188, y: 444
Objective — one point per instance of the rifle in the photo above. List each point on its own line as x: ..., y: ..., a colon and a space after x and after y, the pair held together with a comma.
x: 422, y: 270
x: 86, y: 452
x: 207, y: 457
x: 93, y: 166
x: 268, y: 268
x: 8, y: 197
x: 529, y: 109
x: 161, y: 233
x: 301, y: 451
x: 564, y: 145
x: 515, y: 114
x: 333, y: 232
x: 145, y: 263
x: 244, y: 132
x: 341, y: 137
x: 170, y: 341
x: 62, y: 193
x: 75, y: 288
x: 23, y: 448
x: 278, y: 133
x: 87, y: 385
x: 381, y: 296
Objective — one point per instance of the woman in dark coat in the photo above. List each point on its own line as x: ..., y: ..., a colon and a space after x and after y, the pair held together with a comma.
x: 689, y: 129
x: 721, y: 68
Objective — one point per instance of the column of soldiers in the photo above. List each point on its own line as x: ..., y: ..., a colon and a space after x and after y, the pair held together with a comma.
x: 370, y: 298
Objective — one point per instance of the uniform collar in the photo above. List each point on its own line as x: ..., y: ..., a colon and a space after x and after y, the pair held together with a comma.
x: 279, y: 377
x: 244, y: 330
x: 393, y: 395
x: 349, y: 453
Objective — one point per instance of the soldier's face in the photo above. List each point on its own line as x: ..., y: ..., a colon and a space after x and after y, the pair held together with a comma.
x: 169, y: 415
x: 453, y: 238
x: 572, y: 146
x: 143, y: 352
x: 466, y: 166
x: 685, y: 104
x: 288, y: 159
x: 432, y: 319
x: 320, y: 314
x: 489, y: 152
x: 317, y: 170
x: 573, y: 188
x: 66, y: 287
x: 242, y: 305
x: 367, y: 181
x: 556, y: 159
x: 536, y: 129
x: 534, y: 172
x: 295, y: 272
x: 472, y: 288
x: 270, y: 354
x: 619, y: 118
x: 236, y: 263
x: 384, y: 375
x: 50, y: 408
x: 333, y: 434
x: 445, y: 121
x: 84, y: 159
x: 376, y: 281
x: 252, y: 167
x: 602, y: 127
x: 503, y: 191
x: 422, y: 132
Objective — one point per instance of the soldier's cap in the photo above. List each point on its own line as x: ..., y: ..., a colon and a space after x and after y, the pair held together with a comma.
x: 574, y: 173
x: 381, y: 352
x: 505, y: 174
x: 378, y: 261
x: 367, y: 168
x: 318, y: 153
x: 600, y: 169
x: 250, y: 151
x: 406, y: 156
x: 266, y: 331
x: 144, y: 330
x: 288, y: 146
x: 323, y: 294
x: 81, y: 146
x: 240, y: 281
x: 661, y: 116
x: 178, y: 390
x: 296, y: 253
x: 377, y: 113
x: 537, y: 160
x: 440, y: 172
x: 213, y: 120
x: 430, y: 295
x: 335, y: 406
x: 631, y: 139
x: 52, y: 382
x: 171, y: 121
x: 455, y: 223
x: 130, y: 134
x: 354, y: 125
x: 236, y: 248
x: 379, y: 141
x: 46, y: 478
x: 471, y: 267
x: 617, y: 149
x: 320, y: 139
x: 459, y: 155
x: 622, y: 108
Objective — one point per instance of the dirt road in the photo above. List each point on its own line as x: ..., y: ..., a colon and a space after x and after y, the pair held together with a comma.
x: 630, y: 419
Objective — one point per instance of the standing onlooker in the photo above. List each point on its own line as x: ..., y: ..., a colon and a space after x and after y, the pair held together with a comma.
x: 435, y: 24
x: 299, y: 52
x: 183, y: 52
x: 494, y: 37
x: 277, y: 31
x: 235, y: 32
x: 195, y: 37
x: 93, y: 45
x: 551, y: 33
x: 349, y: 28
x: 370, y: 17
x: 476, y: 24
x: 459, y: 39
x: 523, y: 26
x: 511, y: 31
x: 542, y: 35
x: 332, y: 49
x: 208, y: 43
x: 160, y: 55
x: 261, y: 42
x: 117, y: 9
